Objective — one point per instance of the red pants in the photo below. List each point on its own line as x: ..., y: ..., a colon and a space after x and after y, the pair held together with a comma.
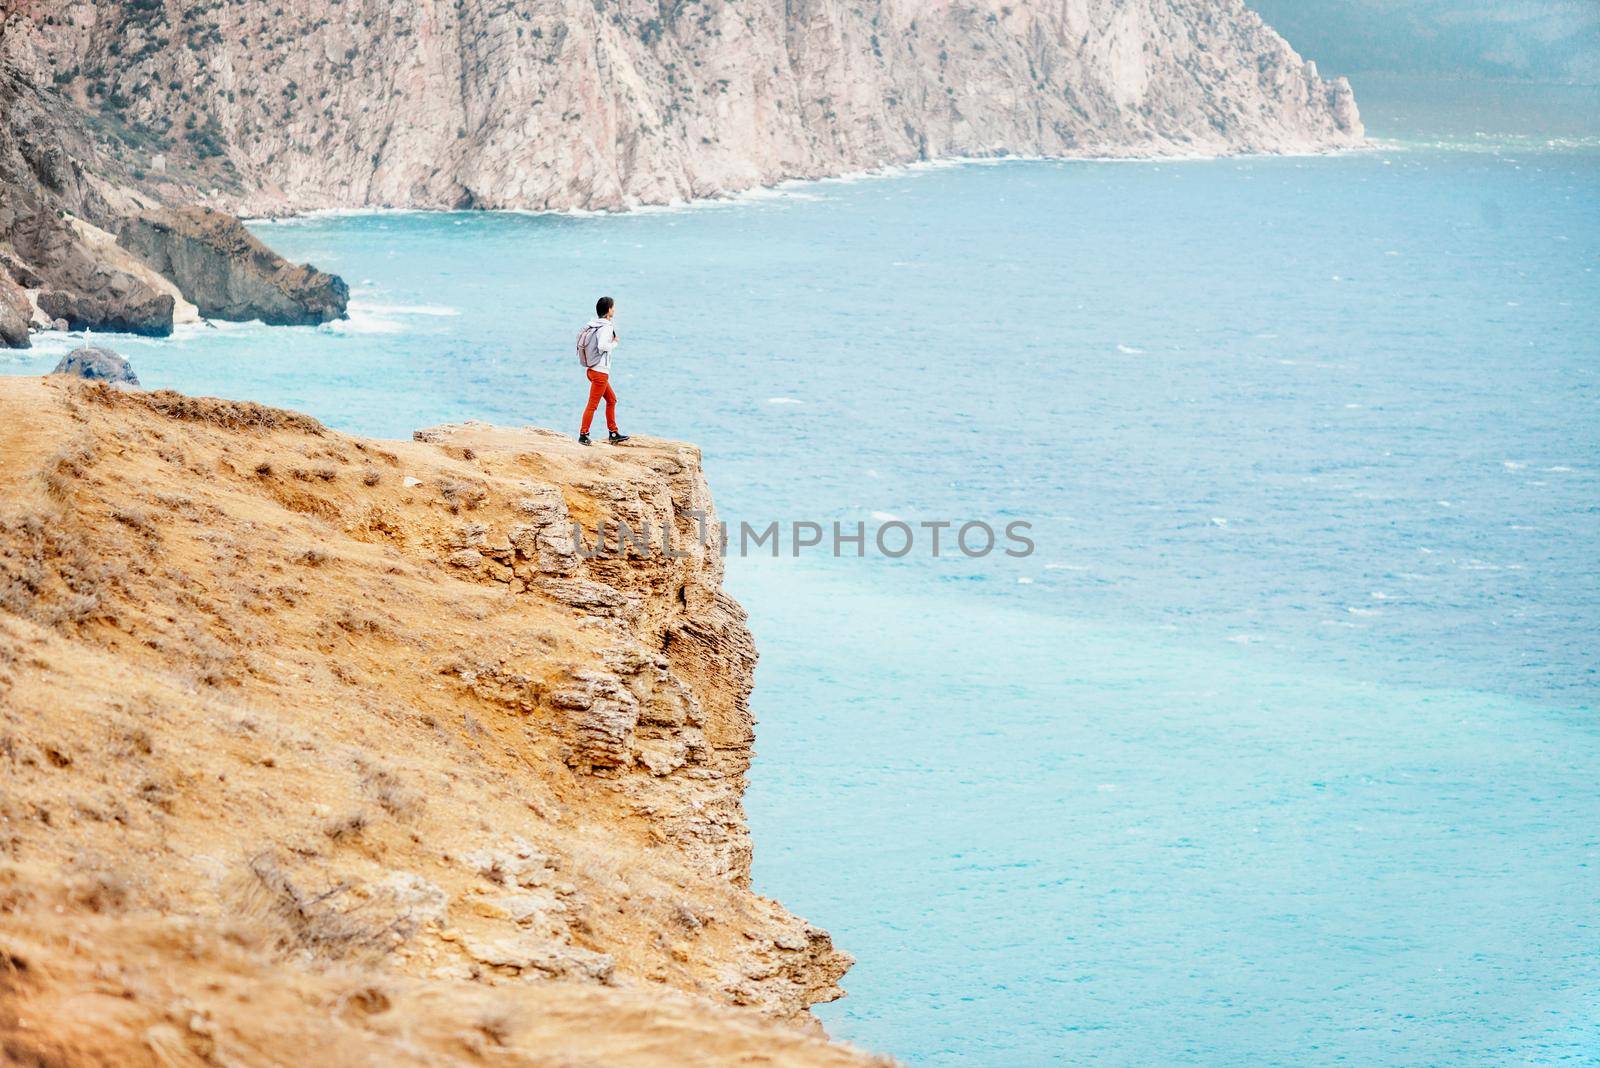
x: 600, y: 386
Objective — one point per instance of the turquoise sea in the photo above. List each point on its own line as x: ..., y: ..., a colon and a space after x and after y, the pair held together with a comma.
x: 1282, y: 747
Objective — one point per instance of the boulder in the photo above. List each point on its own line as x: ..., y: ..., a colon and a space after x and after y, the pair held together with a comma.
x: 15, y: 313
x: 228, y: 274
x: 79, y: 284
x: 98, y: 365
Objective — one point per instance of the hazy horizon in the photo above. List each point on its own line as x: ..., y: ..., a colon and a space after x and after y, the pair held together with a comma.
x: 1548, y: 41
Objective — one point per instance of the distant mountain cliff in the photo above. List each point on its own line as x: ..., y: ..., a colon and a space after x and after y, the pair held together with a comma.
x: 266, y: 106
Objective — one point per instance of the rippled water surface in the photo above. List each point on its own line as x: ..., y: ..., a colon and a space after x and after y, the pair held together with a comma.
x: 1281, y: 747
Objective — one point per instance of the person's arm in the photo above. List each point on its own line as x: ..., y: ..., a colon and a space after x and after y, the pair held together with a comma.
x: 608, y: 339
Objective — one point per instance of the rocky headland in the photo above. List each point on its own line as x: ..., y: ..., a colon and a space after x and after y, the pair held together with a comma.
x: 227, y: 273
x: 85, y: 246
x: 316, y: 742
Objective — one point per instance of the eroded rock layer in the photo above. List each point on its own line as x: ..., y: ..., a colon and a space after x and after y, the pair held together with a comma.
x: 316, y: 742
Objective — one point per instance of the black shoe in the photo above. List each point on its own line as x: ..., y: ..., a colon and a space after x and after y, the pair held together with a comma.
x: 617, y: 438
x: 583, y: 439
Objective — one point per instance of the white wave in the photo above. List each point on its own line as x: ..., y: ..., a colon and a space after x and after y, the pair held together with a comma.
x: 371, y: 318
x: 1024, y: 581
x: 407, y: 309
x: 300, y: 218
x: 886, y: 517
x: 1217, y: 520
x: 1065, y: 567
x: 48, y: 343
x: 1129, y: 350
x: 202, y: 328
x: 784, y: 400
x: 361, y: 323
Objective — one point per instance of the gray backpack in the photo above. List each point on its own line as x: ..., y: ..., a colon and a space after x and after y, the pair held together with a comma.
x: 589, y: 346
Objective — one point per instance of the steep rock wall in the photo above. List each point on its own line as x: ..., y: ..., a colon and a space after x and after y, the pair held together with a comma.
x: 568, y: 104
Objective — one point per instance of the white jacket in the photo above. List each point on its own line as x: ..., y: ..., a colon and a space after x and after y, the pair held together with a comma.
x: 605, y: 340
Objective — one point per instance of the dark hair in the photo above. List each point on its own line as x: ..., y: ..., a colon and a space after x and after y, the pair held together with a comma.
x: 602, y: 306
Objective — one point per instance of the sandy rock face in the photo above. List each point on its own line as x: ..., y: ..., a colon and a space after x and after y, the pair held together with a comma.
x: 564, y: 104
x: 315, y: 742
x: 228, y: 274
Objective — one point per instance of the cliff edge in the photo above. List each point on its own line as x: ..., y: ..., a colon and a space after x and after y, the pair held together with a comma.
x: 313, y: 742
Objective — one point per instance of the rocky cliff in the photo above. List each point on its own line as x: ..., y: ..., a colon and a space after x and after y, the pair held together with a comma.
x: 264, y: 106
x: 316, y: 743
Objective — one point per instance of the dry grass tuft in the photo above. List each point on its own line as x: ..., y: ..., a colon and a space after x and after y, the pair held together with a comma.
x: 66, y: 467
x: 294, y: 919
x: 136, y: 518
x: 459, y: 494
x: 348, y: 826
x: 392, y: 794
x: 50, y: 575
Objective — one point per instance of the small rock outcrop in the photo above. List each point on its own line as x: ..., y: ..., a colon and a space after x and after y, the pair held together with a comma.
x: 97, y: 365
x: 228, y: 274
